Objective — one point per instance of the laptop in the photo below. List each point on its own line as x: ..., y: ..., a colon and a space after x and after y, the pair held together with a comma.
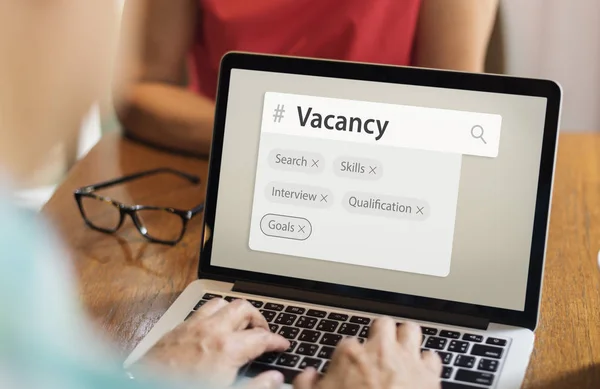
x: 338, y: 192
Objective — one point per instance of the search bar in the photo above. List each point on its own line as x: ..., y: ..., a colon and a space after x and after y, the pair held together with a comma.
x: 432, y: 129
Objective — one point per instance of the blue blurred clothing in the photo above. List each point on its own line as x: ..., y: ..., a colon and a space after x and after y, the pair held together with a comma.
x: 45, y: 341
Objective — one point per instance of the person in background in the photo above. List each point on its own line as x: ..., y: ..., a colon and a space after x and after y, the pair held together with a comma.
x: 171, y: 81
x: 54, y: 64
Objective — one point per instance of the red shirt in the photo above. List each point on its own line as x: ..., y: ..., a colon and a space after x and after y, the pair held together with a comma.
x: 380, y: 31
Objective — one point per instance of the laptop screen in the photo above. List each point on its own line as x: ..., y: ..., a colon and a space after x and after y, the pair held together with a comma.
x: 399, y: 188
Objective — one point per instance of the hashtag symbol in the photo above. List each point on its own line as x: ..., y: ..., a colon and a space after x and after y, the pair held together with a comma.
x: 278, y: 113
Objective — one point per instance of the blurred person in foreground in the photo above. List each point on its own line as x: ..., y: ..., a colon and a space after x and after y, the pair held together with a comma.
x: 171, y: 80
x: 54, y: 65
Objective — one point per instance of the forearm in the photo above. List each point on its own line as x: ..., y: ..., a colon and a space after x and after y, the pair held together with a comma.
x: 168, y: 116
x: 454, y: 36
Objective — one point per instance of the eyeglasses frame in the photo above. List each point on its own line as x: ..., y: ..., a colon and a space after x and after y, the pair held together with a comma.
x: 131, y: 210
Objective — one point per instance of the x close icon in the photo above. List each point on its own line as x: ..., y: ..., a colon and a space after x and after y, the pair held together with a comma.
x: 301, y: 228
x: 373, y: 168
x: 324, y: 198
x: 420, y: 210
x: 315, y: 163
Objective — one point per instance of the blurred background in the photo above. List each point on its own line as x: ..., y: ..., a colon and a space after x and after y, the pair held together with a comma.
x: 554, y: 39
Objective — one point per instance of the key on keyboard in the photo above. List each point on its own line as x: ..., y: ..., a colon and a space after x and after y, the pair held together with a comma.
x: 445, y: 357
x: 474, y: 377
x: 436, y: 343
x: 310, y: 336
x: 289, y: 332
x: 349, y: 329
x: 306, y: 322
x: 268, y: 357
x: 364, y: 333
x: 257, y: 368
x: 450, y: 334
x: 289, y: 360
x: 473, y: 338
x: 326, y: 352
x: 360, y: 320
x: 316, y: 313
x: 274, y: 307
x: 310, y: 362
x: 200, y: 303
x: 269, y: 315
x: 296, y: 310
x: 255, y: 303
x: 487, y: 351
x: 286, y: 318
x: 496, y: 341
x: 337, y: 316
x: 464, y: 361
x: 309, y: 349
x: 327, y: 325
x: 446, y: 372
x: 458, y: 347
x: 457, y: 385
x: 488, y: 364
x: 330, y: 339
x: 293, y: 345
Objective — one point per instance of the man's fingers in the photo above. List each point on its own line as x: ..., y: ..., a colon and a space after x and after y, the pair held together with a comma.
x: 432, y: 361
x: 254, y: 342
x: 210, y: 308
x: 307, y: 379
x: 383, y: 332
x: 348, y: 353
x: 410, y: 337
x: 239, y: 315
x: 267, y: 380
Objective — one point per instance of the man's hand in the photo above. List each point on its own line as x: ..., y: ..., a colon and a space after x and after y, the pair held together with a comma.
x: 390, y: 359
x: 216, y: 341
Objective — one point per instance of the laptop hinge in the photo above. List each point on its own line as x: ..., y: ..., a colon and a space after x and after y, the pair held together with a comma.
x: 358, y: 304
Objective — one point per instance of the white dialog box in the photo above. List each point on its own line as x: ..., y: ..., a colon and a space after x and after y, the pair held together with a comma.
x: 363, y: 183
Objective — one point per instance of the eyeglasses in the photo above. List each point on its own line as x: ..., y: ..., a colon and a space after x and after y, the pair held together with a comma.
x: 157, y: 224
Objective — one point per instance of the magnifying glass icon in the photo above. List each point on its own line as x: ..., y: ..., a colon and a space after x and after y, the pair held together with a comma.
x: 477, y: 133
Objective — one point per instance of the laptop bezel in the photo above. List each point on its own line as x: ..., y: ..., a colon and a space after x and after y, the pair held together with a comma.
x: 400, y: 75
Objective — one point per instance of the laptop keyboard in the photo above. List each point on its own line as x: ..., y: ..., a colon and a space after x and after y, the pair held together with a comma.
x: 470, y: 360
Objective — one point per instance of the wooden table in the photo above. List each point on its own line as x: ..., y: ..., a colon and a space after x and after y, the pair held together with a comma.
x: 128, y: 283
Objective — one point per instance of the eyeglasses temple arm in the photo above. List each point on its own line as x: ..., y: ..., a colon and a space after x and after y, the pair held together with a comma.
x: 121, y: 180
x: 199, y: 208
